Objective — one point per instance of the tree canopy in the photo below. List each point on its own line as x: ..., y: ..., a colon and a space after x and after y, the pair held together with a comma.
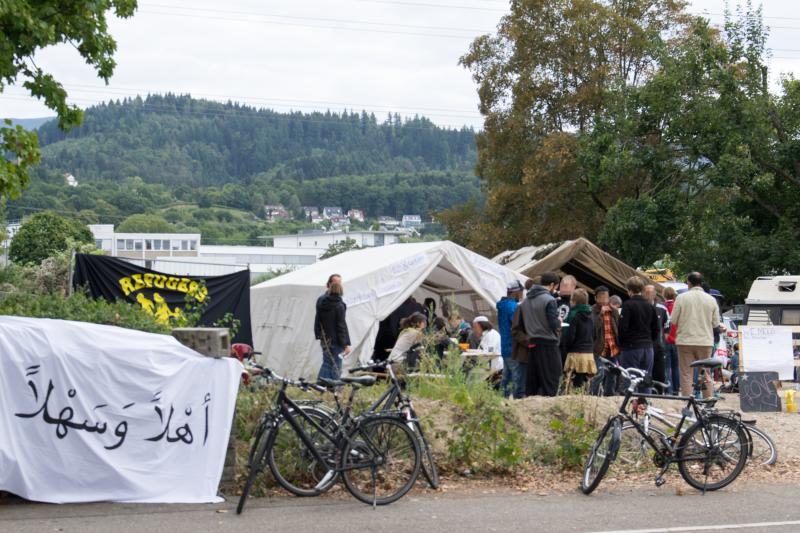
x: 28, y: 27
x: 44, y: 235
x: 632, y: 122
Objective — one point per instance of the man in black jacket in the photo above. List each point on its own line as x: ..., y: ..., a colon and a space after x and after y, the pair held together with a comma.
x: 330, y: 328
x: 539, y: 316
x: 638, y: 328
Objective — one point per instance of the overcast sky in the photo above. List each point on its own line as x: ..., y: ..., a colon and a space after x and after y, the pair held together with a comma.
x: 380, y: 55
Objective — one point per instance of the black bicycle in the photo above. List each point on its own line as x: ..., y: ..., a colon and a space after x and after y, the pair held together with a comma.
x: 710, y: 453
x: 394, y: 399
x: 376, y: 455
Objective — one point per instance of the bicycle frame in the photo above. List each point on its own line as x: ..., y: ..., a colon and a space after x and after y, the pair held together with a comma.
x: 666, y: 459
x: 289, y: 410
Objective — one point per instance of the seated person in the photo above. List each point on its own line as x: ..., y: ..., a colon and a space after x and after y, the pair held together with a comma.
x: 412, y: 331
x: 458, y: 328
x: 489, y: 340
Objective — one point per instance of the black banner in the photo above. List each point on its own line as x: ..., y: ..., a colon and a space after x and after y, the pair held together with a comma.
x: 164, y: 295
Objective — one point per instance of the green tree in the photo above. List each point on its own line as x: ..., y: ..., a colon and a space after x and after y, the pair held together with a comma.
x: 28, y: 27
x: 143, y: 223
x: 45, y: 234
x: 337, y: 248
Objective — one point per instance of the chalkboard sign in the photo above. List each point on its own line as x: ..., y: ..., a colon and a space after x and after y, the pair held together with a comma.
x: 757, y: 392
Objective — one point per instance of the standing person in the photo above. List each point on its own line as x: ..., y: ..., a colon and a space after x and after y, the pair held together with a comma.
x: 606, y: 334
x: 565, y: 290
x: 579, y: 342
x: 638, y: 328
x: 506, y: 308
x: 672, y: 365
x: 659, y: 344
x: 330, y: 328
x: 539, y: 317
x: 695, y: 315
x: 615, y: 302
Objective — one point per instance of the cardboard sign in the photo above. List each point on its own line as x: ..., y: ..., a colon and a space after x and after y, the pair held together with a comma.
x: 758, y: 392
x: 766, y: 349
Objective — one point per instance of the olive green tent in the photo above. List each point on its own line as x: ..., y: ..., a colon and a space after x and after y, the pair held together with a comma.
x: 581, y: 258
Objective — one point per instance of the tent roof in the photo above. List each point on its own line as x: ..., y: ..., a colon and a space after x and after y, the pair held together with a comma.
x: 351, y: 265
x: 581, y: 258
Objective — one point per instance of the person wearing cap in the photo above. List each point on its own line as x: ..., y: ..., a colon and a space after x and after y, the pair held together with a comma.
x: 489, y: 340
x: 513, y: 381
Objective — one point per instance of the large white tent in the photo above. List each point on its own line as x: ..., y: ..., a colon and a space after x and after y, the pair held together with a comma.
x: 376, y: 282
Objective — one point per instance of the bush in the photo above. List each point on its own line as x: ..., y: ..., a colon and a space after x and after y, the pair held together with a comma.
x: 79, y: 307
x: 46, y: 234
x: 485, y: 433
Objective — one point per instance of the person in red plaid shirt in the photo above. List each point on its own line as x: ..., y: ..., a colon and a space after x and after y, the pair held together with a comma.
x: 606, y: 335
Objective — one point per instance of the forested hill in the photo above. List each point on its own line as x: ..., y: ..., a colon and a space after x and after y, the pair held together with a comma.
x: 179, y: 140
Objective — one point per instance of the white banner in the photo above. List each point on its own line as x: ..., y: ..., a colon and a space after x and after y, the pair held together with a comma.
x: 100, y: 413
x: 767, y: 349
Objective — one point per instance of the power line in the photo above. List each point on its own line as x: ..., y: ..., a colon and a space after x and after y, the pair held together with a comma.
x: 319, y: 19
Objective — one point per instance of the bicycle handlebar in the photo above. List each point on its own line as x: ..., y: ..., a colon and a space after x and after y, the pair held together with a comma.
x: 301, y: 383
x: 636, y: 376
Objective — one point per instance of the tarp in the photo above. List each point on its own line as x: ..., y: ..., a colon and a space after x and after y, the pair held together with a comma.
x: 99, y: 413
x: 376, y: 282
x: 164, y: 295
x: 590, y: 265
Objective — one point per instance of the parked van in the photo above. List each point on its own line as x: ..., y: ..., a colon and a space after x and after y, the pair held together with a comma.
x: 773, y: 301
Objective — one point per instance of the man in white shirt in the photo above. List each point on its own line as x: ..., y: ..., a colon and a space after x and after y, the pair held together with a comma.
x: 695, y: 315
x: 490, y: 340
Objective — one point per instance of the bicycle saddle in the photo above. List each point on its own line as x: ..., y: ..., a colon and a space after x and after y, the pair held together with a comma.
x: 711, y: 362
x: 363, y: 381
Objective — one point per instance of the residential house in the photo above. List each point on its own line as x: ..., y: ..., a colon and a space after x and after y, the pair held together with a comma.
x: 411, y: 221
x: 330, y: 212
x: 356, y: 214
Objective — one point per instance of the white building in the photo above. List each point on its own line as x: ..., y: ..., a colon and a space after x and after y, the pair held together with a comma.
x: 388, y: 222
x: 330, y: 212
x: 411, y: 221
x: 11, y: 229
x: 71, y: 180
x: 356, y: 214
x: 144, y: 245
x: 320, y: 240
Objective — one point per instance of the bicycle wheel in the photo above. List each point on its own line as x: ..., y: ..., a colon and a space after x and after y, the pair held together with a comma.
x: 762, y: 448
x: 634, y: 450
x: 381, y: 460
x: 256, y: 465
x: 603, y: 451
x: 293, y: 464
x: 712, y: 453
x: 429, y: 469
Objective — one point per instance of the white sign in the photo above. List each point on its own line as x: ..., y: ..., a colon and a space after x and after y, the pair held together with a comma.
x: 92, y: 413
x: 767, y: 349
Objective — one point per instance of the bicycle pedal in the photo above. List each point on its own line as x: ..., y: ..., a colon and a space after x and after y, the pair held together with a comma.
x: 660, y: 481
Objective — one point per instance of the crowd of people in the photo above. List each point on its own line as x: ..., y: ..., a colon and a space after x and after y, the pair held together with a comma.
x: 552, y: 339
x: 548, y: 337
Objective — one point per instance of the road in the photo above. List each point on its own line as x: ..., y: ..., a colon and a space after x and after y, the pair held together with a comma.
x: 769, y: 509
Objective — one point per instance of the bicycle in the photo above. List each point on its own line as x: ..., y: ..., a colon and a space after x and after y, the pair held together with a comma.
x: 712, y: 443
x: 760, y: 446
x: 367, y: 452
x: 395, y: 398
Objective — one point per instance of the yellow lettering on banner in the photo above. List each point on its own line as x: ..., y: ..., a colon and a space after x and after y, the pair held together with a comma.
x: 126, y: 285
x: 201, y: 294
x: 148, y: 280
x: 193, y: 288
x: 146, y: 304
x: 139, y: 282
x: 184, y: 285
x: 159, y: 281
x: 172, y: 283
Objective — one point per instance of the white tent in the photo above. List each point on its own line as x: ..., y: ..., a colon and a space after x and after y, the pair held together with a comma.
x: 376, y: 282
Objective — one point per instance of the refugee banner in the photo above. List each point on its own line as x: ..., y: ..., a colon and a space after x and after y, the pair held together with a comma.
x: 165, y: 295
x: 99, y: 413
